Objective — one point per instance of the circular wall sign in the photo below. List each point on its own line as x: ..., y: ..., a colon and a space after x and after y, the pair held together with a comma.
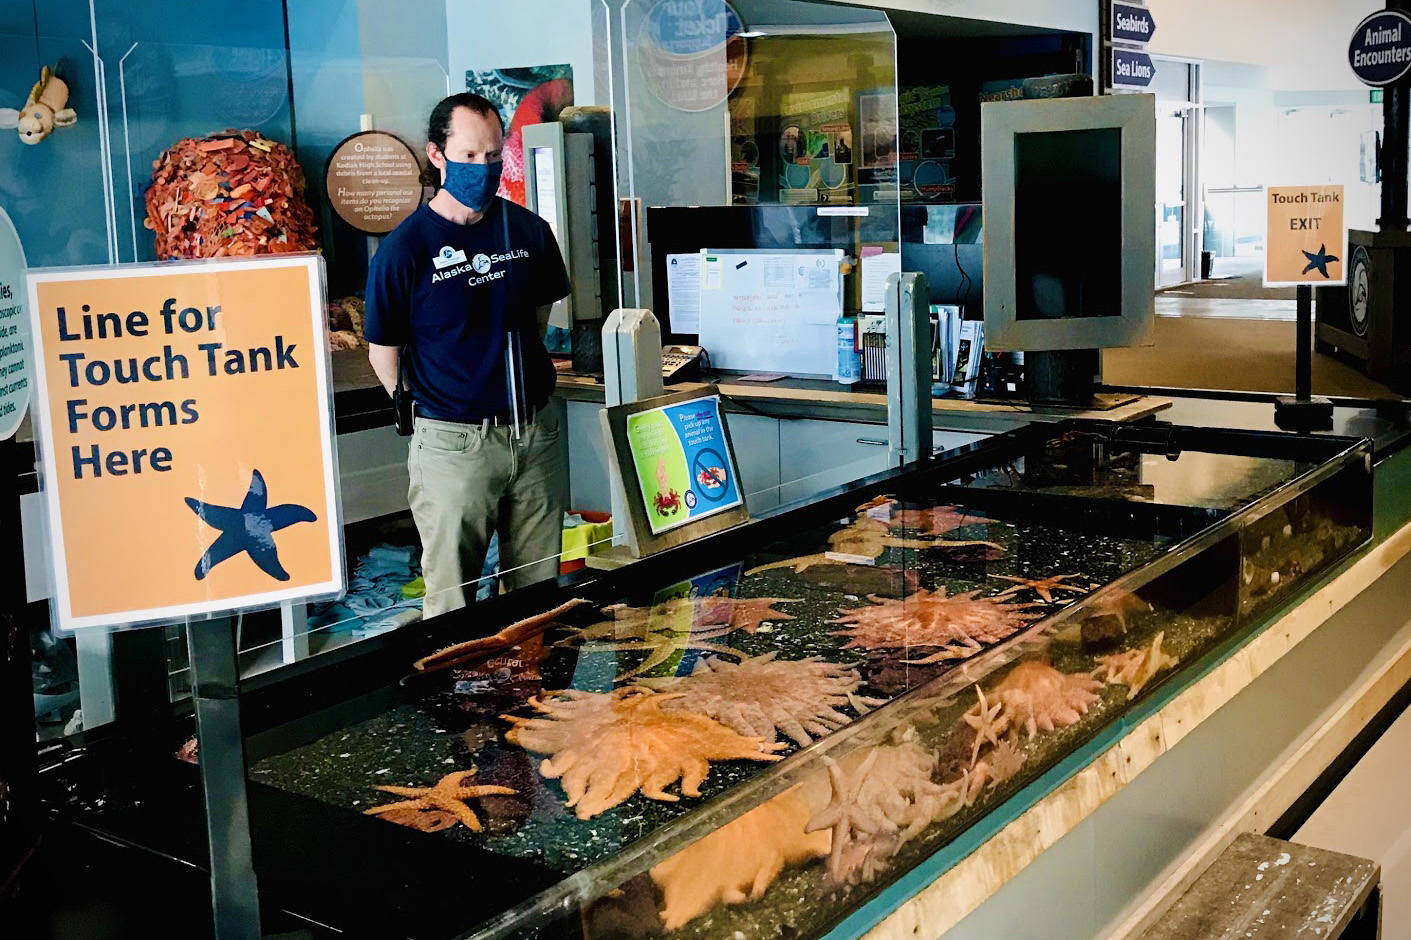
x: 14, y: 331
x: 373, y: 181
x: 1359, y: 289
x: 1380, y: 51
x: 692, y: 55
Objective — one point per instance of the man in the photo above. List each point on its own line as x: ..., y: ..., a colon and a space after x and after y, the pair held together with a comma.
x: 458, y: 300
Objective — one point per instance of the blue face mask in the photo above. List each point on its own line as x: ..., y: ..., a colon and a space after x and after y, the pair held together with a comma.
x: 472, y: 185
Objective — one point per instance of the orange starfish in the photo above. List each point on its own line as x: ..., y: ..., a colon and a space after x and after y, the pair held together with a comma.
x: 1044, y: 587
x: 607, y: 746
x: 938, y: 520
x: 449, y: 795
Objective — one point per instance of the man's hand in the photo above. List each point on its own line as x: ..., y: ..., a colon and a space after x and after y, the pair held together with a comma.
x: 384, y: 361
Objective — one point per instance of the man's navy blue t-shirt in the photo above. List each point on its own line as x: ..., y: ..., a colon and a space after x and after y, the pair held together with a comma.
x: 452, y: 296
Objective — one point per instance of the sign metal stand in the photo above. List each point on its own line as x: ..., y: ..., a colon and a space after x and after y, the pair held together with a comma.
x: 215, y: 692
x: 1305, y: 244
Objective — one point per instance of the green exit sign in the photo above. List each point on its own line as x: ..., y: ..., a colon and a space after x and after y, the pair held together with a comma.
x: 1376, y: 95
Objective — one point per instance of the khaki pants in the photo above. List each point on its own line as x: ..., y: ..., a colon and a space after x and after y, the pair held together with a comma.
x: 468, y: 480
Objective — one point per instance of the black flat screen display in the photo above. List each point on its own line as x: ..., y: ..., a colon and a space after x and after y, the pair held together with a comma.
x: 1068, y: 224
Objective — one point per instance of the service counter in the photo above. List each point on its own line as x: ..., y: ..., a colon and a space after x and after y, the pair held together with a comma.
x: 794, y: 438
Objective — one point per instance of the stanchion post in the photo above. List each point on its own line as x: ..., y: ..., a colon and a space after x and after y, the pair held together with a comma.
x: 215, y: 692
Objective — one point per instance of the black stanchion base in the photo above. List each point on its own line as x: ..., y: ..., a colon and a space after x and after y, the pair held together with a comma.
x: 1303, y: 414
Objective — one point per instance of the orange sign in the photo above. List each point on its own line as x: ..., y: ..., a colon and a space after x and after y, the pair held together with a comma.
x: 1307, y: 237
x: 183, y: 419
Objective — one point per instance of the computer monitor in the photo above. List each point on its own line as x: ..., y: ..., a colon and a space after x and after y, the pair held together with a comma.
x: 1069, y: 244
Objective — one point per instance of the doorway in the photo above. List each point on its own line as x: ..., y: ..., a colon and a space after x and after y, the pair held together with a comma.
x: 1178, y: 203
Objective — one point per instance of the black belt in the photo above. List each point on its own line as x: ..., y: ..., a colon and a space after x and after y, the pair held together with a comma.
x: 494, y: 420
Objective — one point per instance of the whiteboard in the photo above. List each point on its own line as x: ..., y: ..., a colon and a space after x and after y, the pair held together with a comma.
x: 771, y: 311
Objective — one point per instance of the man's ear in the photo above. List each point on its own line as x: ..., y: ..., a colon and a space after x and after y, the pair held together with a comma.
x: 434, y: 156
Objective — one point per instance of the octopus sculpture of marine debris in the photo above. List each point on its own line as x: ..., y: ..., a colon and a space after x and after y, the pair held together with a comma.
x: 881, y: 798
x: 740, y: 860
x: 1038, y: 697
x: 607, y: 746
x: 1045, y: 588
x: 437, y: 807
x: 958, y: 626
x: 763, y: 696
x: 1135, y: 668
x: 865, y: 539
x: 654, y: 631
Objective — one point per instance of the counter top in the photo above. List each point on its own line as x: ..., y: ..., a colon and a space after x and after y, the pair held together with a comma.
x: 824, y: 399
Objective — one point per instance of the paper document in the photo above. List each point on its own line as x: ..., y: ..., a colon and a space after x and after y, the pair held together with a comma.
x: 876, y: 265
x: 683, y: 292
x: 771, y: 311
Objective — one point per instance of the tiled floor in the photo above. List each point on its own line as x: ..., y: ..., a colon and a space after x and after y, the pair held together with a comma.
x: 1238, y: 349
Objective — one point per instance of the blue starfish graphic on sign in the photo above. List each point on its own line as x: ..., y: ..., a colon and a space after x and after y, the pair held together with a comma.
x: 248, y: 528
x: 1320, y: 260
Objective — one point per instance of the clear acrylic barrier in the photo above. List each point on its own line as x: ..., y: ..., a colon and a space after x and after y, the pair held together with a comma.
x: 140, y: 80
x: 751, y: 104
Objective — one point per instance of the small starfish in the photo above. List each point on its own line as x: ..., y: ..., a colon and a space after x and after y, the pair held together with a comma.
x: 747, y: 613
x: 988, y: 721
x: 449, y: 795
x: 798, y: 565
x: 660, y: 647
x: 1121, y: 607
x: 1044, y: 587
x: 1134, y: 668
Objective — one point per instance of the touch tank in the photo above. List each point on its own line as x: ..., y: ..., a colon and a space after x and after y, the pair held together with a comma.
x: 754, y: 734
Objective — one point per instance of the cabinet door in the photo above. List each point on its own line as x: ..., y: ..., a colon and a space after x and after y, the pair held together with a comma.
x: 756, y: 442
x: 819, y: 455
x: 372, y: 471
x: 948, y: 440
x: 589, y: 488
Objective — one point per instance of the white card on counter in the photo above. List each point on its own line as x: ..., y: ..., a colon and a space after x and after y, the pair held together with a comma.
x: 683, y: 292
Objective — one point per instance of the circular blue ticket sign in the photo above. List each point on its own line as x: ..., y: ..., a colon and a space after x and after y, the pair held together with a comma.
x: 14, y: 331
x: 1380, y: 51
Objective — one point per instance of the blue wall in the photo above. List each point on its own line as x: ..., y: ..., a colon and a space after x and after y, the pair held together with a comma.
x: 197, y: 67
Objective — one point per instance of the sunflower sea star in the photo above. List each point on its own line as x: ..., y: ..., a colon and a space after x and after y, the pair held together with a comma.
x: 1038, y: 697
x: 960, y: 625
x: 433, y: 808
x: 881, y: 798
x: 739, y: 861
x: 1043, y: 587
x: 763, y: 696
x: 606, y: 746
x: 1135, y: 668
